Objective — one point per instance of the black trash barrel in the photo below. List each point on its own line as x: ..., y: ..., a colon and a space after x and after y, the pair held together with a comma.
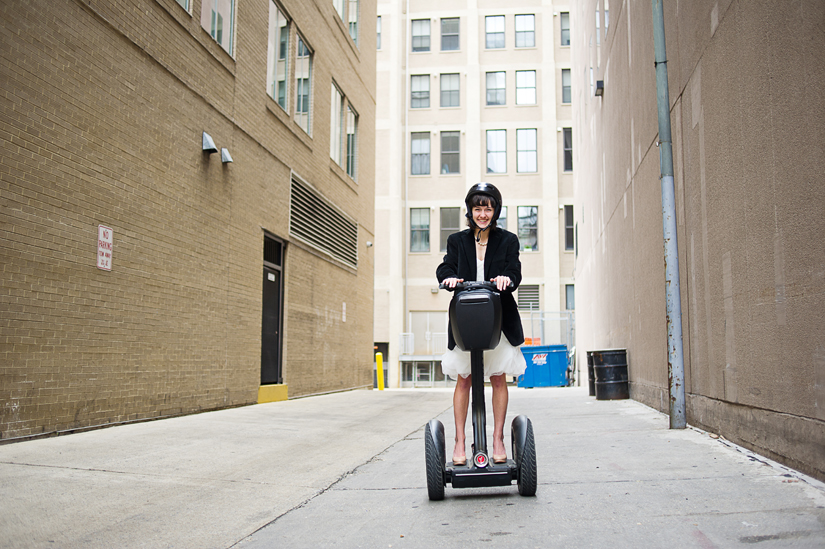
x: 610, y: 372
x: 591, y: 381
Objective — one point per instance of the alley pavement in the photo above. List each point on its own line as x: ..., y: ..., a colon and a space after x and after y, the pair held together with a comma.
x: 347, y: 470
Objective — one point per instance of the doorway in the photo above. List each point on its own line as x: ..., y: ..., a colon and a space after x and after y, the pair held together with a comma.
x: 271, y: 324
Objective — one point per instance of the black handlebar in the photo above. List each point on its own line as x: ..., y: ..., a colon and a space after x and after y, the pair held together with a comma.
x: 473, y: 285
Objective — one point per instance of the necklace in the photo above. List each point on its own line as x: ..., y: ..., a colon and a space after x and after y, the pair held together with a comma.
x: 480, y: 243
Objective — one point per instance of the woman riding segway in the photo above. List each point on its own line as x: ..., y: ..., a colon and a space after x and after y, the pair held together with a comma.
x: 484, y: 252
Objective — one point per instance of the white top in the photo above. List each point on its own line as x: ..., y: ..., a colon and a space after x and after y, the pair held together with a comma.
x: 479, y: 270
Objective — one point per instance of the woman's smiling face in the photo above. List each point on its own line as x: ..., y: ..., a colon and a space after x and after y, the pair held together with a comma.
x: 482, y: 215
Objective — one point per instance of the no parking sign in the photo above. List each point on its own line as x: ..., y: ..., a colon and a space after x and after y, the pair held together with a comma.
x: 105, y: 245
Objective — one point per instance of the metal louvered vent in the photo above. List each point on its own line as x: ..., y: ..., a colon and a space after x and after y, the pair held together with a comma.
x: 528, y: 296
x: 317, y: 223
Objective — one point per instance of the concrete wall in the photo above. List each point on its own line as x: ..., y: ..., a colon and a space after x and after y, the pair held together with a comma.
x: 747, y: 111
x: 101, y: 119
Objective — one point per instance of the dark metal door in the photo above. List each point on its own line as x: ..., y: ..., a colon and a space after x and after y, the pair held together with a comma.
x: 271, y: 328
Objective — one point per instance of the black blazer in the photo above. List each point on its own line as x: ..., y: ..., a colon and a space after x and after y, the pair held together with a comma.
x: 501, y: 259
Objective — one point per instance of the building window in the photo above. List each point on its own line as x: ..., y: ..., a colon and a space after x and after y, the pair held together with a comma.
x: 566, y: 93
x: 525, y: 31
x: 496, y: 151
x: 568, y: 149
x: 501, y: 222
x: 420, y: 91
x: 352, y: 141
x: 569, y: 232
x: 564, y: 20
x: 598, y: 29
x: 494, y: 25
x: 526, y: 159
x: 353, y: 20
x: 525, y: 87
x: 528, y: 228
x: 184, y: 4
x: 449, y: 90
x: 528, y: 297
x: 449, y: 34
x: 419, y: 229
x: 277, y: 56
x: 450, y: 155
x: 303, y: 83
x: 496, y: 88
x: 217, y: 18
x: 378, y: 33
x: 420, y: 146
x: 569, y: 297
x: 421, y: 35
x: 450, y: 223
x: 335, y: 123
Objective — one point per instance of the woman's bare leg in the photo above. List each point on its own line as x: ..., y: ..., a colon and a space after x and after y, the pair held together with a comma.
x: 500, y: 400
x: 461, y: 401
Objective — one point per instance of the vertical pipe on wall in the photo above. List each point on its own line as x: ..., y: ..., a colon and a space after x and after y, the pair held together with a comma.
x: 675, y: 358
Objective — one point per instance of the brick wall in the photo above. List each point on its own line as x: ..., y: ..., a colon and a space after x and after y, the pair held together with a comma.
x: 103, y: 105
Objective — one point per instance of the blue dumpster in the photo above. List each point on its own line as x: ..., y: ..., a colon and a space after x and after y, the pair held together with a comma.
x: 546, y: 366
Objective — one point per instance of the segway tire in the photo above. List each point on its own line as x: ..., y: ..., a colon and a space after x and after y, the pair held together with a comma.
x: 527, y: 477
x: 435, y: 466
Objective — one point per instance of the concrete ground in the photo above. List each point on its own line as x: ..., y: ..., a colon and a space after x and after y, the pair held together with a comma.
x: 347, y: 470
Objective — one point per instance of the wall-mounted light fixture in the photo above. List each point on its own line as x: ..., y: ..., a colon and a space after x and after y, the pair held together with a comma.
x: 434, y: 290
x: 208, y: 145
x: 225, y: 157
x: 599, y: 88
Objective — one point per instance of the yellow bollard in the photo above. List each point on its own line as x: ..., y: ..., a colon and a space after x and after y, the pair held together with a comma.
x: 379, y: 363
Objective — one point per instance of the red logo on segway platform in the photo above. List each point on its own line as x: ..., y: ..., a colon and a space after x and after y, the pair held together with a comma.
x: 481, y: 460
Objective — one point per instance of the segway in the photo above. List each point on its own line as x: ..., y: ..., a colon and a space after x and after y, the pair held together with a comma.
x: 475, y: 318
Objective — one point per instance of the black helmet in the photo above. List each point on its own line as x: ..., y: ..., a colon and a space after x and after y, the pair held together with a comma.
x: 485, y: 189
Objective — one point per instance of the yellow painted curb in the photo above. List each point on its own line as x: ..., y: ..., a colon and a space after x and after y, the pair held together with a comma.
x: 272, y: 393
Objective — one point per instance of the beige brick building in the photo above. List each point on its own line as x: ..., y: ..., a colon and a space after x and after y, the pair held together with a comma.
x: 224, y: 277
x: 747, y: 108
x: 468, y: 92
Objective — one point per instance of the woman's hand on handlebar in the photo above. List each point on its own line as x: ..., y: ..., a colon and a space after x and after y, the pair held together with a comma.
x: 451, y: 282
x: 501, y: 282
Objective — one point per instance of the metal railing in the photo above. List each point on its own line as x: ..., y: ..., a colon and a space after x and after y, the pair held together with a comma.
x: 433, y: 343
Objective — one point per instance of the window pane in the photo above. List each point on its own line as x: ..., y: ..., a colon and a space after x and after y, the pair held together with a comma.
x: 421, y: 35
x: 525, y: 31
x: 449, y: 34
x: 419, y: 229
x: 378, y: 33
x: 185, y: 5
x: 450, y: 155
x: 276, y: 68
x: 569, y: 243
x: 569, y: 297
x: 336, y: 111
x: 450, y: 223
x: 527, y: 158
x: 495, y: 88
x: 528, y: 234
x: 568, y: 149
x: 449, y: 90
x: 525, y: 87
x: 420, y: 86
x: 352, y: 21
x: 303, y: 81
x: 217, y: 18
x: 494, y: 25
x: 352, y: 149
x: 565, y: 28
x: 566, y: 94
x: 502, y: 218
x: 496, y: 151
x: 420, y: 146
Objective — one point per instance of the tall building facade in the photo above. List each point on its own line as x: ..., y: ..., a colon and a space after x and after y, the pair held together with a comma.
x: 187, y: 198
x: 468, y: 92
x: 747, y: 112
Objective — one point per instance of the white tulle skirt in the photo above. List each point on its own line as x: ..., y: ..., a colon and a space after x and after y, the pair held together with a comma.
x: 504, y: 359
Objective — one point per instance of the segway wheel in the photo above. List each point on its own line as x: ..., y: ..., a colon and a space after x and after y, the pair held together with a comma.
x: 435, y: 466
x: 527, y: 478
